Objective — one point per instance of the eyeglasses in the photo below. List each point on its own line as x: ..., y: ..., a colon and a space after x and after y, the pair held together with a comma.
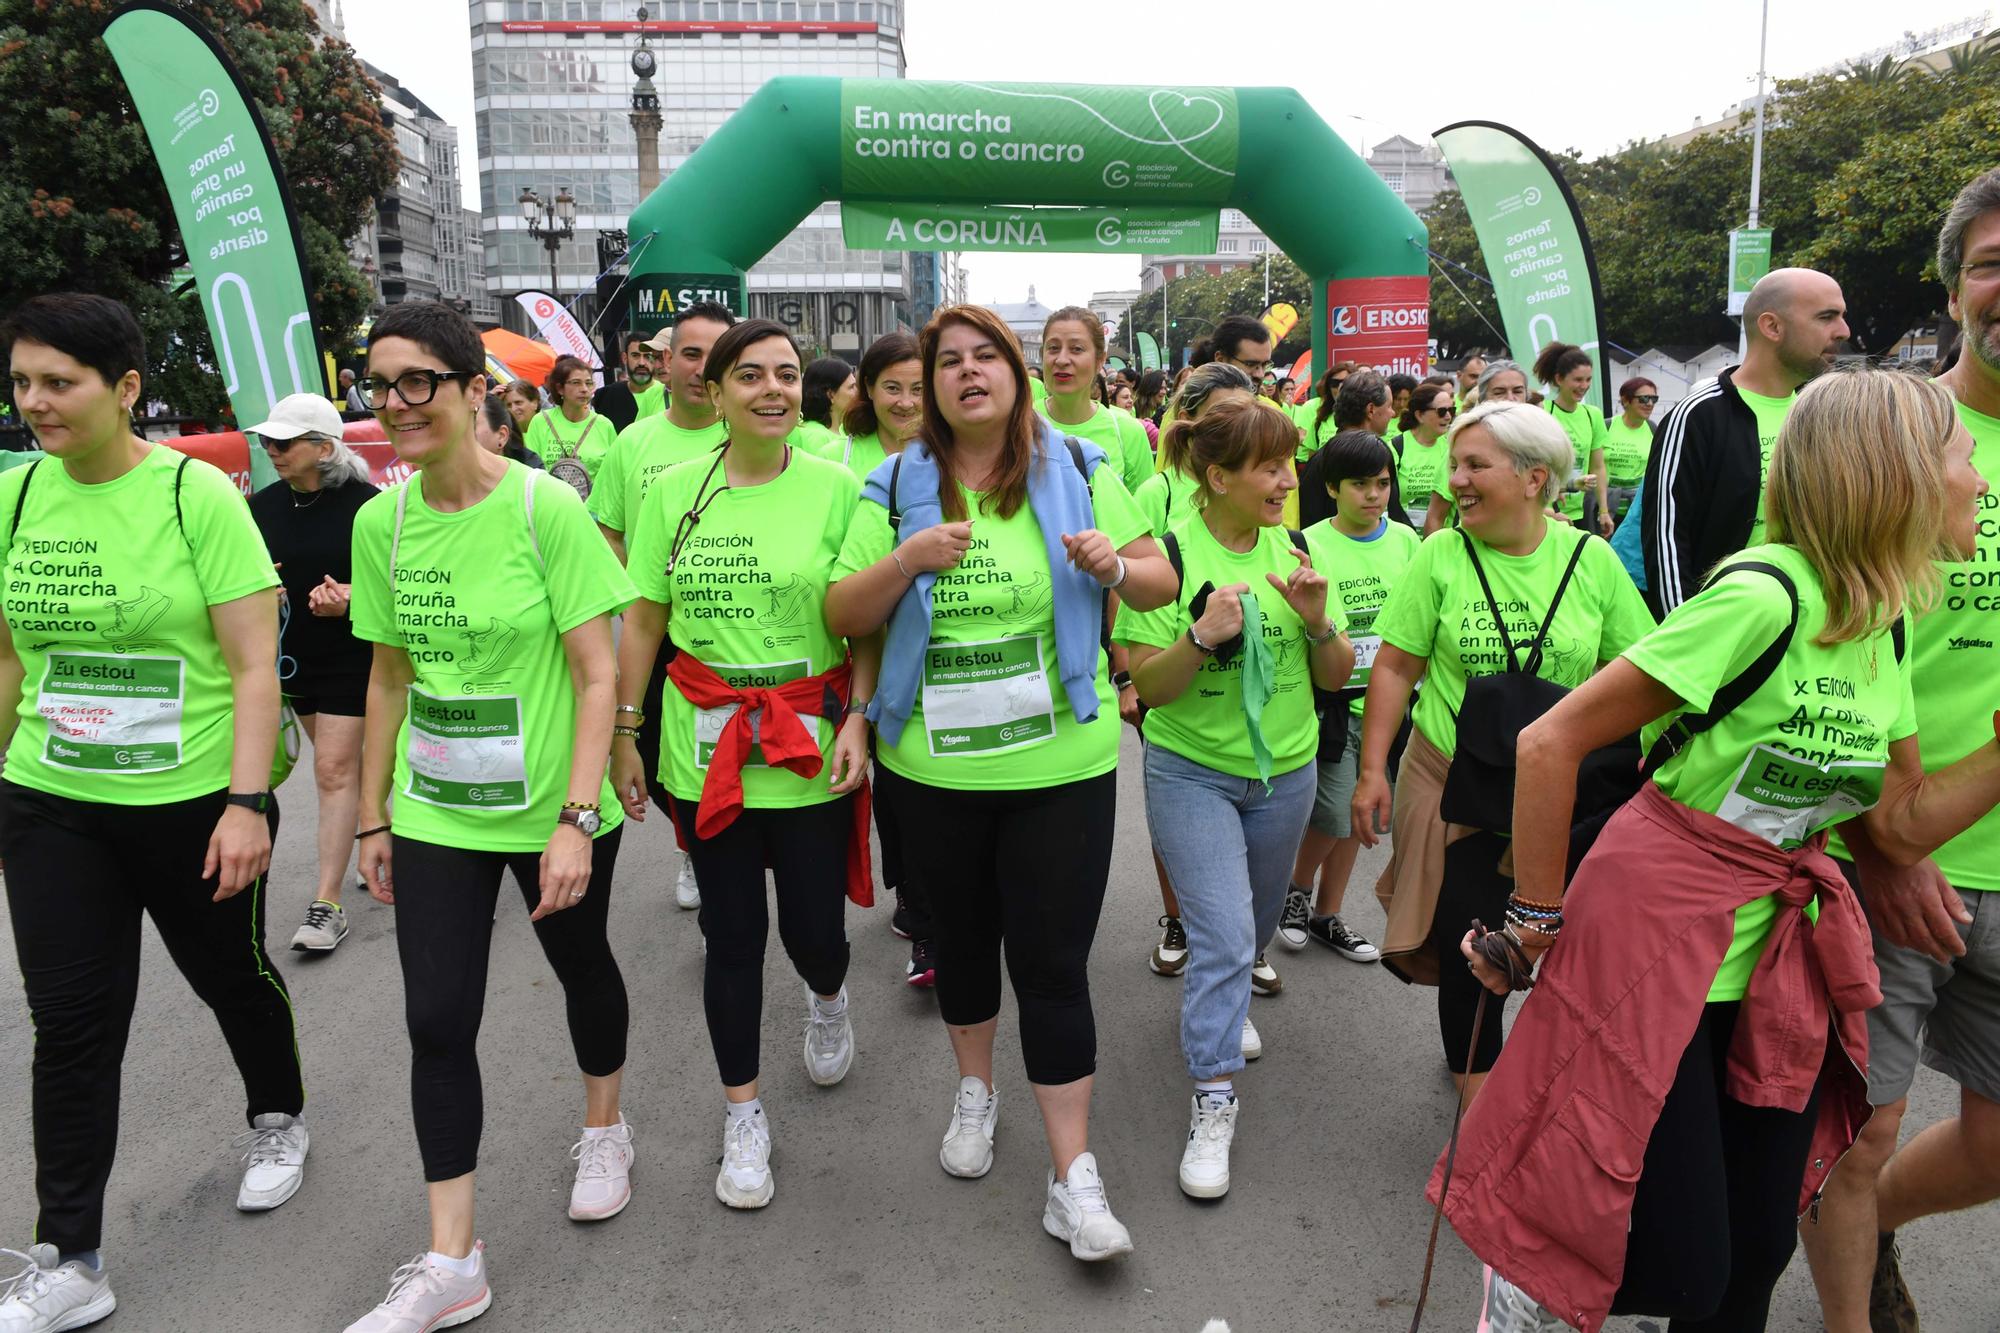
x: 1445, y: 411
x: 414, y: 387
x: 1647, y: 398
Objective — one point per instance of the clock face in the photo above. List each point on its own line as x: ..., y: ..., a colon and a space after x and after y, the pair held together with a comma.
x: 642, y: 64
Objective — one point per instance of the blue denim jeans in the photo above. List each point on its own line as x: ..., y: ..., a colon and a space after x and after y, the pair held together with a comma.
x: 1228, y: 847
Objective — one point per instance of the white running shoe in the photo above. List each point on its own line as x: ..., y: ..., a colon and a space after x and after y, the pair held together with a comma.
x: 45, y: 1296
x: 1505, y: 1308
x: 1253, y: 1045
x: 603, y: 1174
x: 687, y: 893
x: 324, y: 928
x: 968, y: 1140
x: 1205, y: 1160
x: 423, y: 1298
x: 745, y: 1178
x: 274, y: 1161
x: 829, y: 1046
x: 1078, y: 1212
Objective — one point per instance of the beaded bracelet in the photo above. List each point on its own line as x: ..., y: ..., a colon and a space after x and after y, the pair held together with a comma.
x: 1549, y: 928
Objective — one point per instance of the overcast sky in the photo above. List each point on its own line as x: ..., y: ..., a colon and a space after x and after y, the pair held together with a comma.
x: 1594, y: 75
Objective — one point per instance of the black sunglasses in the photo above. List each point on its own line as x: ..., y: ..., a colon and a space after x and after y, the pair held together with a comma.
x: 1446, y: 411
x: 1647, y: 398
x: 414, y: 387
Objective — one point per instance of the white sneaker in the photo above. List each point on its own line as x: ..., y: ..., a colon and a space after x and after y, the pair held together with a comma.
x: 45, y: 1296
x: 1253, y: 1045
x: 274, y: 1161
x: 1505, y: 1308
x: 603, y: 1173
x: 324, y: 928
x: 687, y: 893
x: 423, y: 1297
x: 1078, y: 1212
x: 829, y: 1040
x: 968, y: 1140
x: 1205, y: 1160
x: 745, y: 1178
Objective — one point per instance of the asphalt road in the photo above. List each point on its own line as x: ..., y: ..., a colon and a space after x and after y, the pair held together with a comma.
x: 1324, y: 1227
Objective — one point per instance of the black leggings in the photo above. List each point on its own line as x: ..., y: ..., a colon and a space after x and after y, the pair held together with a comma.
x: 896, y: 878
x: 1025, y: 870
x: 1716, y: 1214
x: 79, y: 876
x: 445, y: 900
x: 647, y: 742
x: 805, y: 848
x: 1472, y: 887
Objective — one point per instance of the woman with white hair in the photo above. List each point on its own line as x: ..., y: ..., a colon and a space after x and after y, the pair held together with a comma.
x: 1500, y: 382
x: 1509, y: 591
x: 307, y: 518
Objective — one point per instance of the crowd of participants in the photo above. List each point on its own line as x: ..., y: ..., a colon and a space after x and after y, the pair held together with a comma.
x: 785, y: 605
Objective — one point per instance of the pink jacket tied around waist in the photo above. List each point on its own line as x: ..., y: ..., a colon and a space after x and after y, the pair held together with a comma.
x: 1551, y: 1151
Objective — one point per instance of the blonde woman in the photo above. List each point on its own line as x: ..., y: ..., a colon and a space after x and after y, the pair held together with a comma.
x: 1677, y: 1129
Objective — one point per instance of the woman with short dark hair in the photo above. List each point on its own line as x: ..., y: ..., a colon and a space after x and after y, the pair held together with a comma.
x: 826, y: 393
x: 497, y: 433
x: 139, y: 708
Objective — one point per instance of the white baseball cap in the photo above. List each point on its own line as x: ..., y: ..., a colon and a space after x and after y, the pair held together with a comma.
x: 301, y: 414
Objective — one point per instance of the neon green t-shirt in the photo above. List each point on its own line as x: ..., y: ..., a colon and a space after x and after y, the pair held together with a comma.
x: 1119, y: 435
x: 641, y: 453
x: 1165, y: 498
x: 1207, y: 724
x: 1586, y: 430
x: 1626, y: 451
x: 813, y: 437
x: 859, y: 454
x: 1313, y: 433
x: 1804, y: 752
x: 991, y: 713
x: 1953, y: 662
x: 1037, y: 390
x: 125, y: 697
x: 554, y: 436
x: 1771, y: 414
x: 1361, y: 572
x: 1439, y: 612
x: 1421, y: 471
x: 650, y: 401
x: 481, y: 603
x: 746, y: 598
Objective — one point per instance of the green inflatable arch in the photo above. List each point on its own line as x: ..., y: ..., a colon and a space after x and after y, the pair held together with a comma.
x: 1071, y: 167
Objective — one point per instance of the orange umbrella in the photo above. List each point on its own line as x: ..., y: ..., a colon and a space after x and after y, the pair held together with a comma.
x: 531, y: 360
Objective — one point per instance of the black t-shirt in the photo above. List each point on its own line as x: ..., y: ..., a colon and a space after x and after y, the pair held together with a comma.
x: 615, y: 403
x: 309, y: 541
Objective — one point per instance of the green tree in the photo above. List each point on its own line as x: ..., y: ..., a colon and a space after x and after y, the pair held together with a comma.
x: 83, y: 206
x: 1197, y: 302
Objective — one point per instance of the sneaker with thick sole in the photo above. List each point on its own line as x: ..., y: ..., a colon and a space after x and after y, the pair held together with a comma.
x: 1264, y: 978
x: 829, y: 1048
x: 687, y: 893
x: 1890, y: 1309
x: 1505, y: 1308
x: 325, y: 927
x: 1334, y: 934
x: 46, y: 1296
x: 1205, y: 1159
x: 1292, y: 925
x: 1170, y: 954
x: 745, y: 1180
x: 1253, y: 1044
x: 603, y: 1183
x: 902, y: 919
x: 423, y: 1297
x: 274, y: 1162
x: 1078, y: 1212
x: 921, y: 970
x: 968, y: 1140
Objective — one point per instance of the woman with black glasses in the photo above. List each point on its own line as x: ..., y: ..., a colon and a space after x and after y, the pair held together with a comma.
x: 1423, y: 459
x: 1628, y: 441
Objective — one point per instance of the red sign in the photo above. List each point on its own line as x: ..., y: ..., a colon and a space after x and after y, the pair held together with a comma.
x: 663, y: 27
x: 1384, y: 323
x: 230, y: 451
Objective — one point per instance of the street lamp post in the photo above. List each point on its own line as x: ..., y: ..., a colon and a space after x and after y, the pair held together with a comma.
x: 551, y: 224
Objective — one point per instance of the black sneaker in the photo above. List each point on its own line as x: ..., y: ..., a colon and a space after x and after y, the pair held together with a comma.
x: 922, y: 968
x: 1298, y: 911
x: 1170, y: 954
x: 1334, y: 934
x: 899, y: 920
x: 1890, y: 1309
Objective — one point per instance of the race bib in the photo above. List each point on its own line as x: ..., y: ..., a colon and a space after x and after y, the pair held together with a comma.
x: 984, y: 697
x: 112, y: 714
x: 709, y: 722
x: 467, y: 754
x: 1785, y: 799
x: 1365, y: 649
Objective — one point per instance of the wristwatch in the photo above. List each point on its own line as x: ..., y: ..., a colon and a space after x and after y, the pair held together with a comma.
x: 1121, y: 680
x: 584, y: 817
x: 257, y: 801
x: 1204, y: 649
